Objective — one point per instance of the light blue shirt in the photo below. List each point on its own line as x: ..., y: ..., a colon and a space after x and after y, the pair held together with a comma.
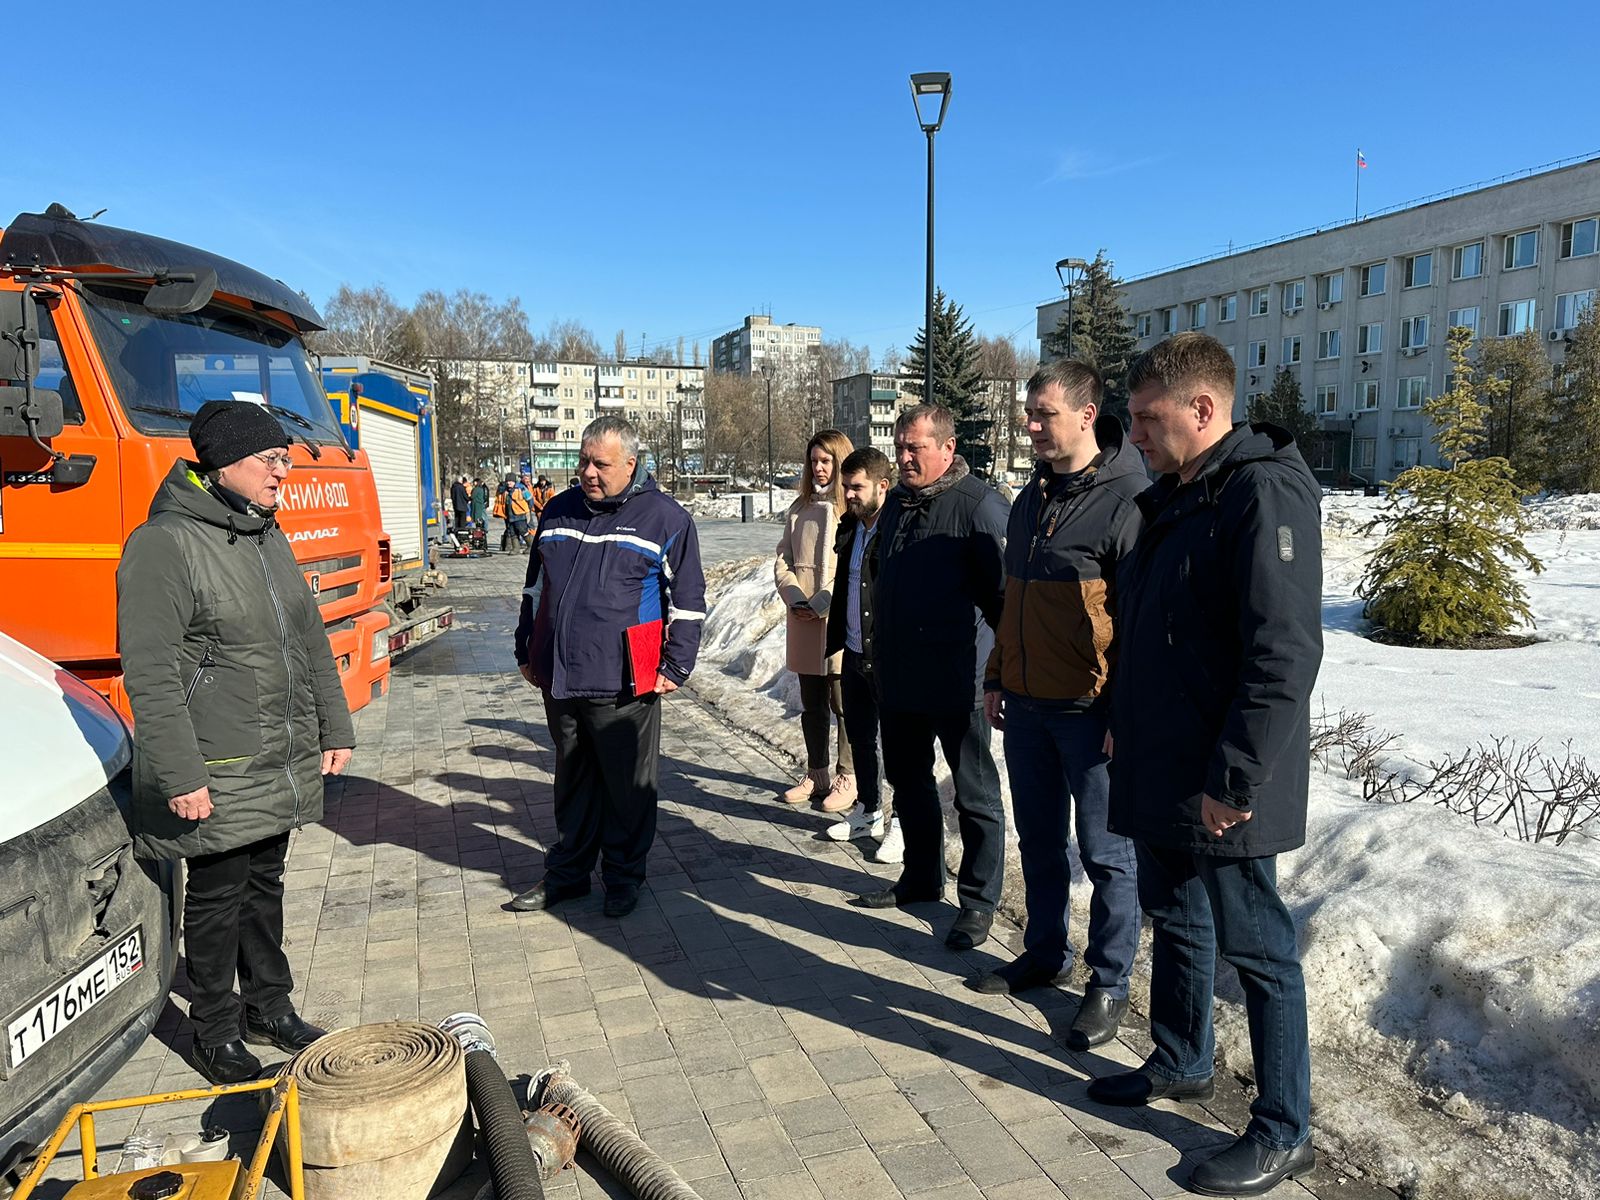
x: 852, y: 604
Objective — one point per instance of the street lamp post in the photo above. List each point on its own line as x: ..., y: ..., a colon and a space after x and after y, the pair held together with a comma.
x: 501, y: 466
x: 1069, y: 271
x: 767, y: 371
x: 684, y: 392
x: 926, y: 87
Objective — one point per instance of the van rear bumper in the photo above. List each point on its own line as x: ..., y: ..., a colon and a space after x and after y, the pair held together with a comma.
x: 362, y: 677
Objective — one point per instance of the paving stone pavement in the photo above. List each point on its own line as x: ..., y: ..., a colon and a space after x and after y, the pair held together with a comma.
x: 765, y: 1038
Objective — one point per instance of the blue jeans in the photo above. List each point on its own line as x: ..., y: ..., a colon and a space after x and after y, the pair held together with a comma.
x: 1056, y: 763
x: 1204, y: 904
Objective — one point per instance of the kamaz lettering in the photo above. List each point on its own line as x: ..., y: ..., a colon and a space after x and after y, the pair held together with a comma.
x: 314, y: 493
x: 313, y: 535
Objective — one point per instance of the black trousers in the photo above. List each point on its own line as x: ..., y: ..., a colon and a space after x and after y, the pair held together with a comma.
x: 607, y: 766
x: 908, y: 742
x: 233, y: 924
x: 860, y: 704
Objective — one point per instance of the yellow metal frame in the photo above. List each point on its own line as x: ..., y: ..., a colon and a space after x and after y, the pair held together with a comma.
x: 283, y: 1111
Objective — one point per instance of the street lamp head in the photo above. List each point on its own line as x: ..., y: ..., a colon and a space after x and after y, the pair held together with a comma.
x: 930, y: 93
x: 1068, y: 270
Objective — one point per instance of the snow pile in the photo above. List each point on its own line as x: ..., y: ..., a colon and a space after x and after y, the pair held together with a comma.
x: 1453, y: 973
x: 726, y: 505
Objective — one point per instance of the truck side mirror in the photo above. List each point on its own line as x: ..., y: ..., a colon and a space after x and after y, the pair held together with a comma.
x: 182, y: 293
x: 25, y: 411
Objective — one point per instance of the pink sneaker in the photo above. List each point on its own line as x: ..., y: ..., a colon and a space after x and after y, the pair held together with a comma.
x: 843, y: 794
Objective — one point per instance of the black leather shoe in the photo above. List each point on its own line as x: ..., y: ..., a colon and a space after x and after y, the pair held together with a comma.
x: 1247, y: 1168
x: 971, y: 929
x: 1141, y: 1087
x: 288, y: 1033
x: 1014, y: 977
x: 1098, y: 1018
x: 890, y: 898
x: 539, y: 897
x: 230, y: 1062
x: 621, y: 901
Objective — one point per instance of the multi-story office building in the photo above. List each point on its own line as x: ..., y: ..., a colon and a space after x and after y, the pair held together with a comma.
x: 1359, y: 311
x: 545, y: 405
x: 759, y: 343
x: 865, y: 406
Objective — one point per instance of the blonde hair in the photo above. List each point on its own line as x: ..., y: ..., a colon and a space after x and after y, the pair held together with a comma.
x: 836, y: 446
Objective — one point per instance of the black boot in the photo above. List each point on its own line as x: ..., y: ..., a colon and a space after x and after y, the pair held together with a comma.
x: 1133, y: 1088
x: 621, y: 900
x: 227, y: 1063
x: 288, y: 1033
x: 971, y: 929
x: 1097, y: 1019
x: 1247, y: 1168
x: 540, y: 896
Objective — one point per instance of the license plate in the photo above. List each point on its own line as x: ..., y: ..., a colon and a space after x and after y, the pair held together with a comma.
x: 52, y: 1013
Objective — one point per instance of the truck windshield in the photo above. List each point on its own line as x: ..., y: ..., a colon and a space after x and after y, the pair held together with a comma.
x: 166, y: 366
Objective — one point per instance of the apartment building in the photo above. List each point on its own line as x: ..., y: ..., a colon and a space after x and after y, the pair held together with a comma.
x: 545, y: 405
x: 866, y: 405
x: 759, y: 343
x: 1359, y: 311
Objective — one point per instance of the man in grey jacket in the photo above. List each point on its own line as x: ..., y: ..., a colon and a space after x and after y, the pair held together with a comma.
x: 239, y: 714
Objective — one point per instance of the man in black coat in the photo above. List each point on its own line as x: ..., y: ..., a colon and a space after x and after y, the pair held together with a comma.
x: 460, y: 502
x: 1220, y: 639
x: 941, y: 542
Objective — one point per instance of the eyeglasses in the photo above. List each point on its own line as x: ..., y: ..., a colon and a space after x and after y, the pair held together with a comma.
x: 274, y: 460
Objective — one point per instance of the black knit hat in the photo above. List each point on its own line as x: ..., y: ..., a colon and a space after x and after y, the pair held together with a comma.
x: 224, y: 431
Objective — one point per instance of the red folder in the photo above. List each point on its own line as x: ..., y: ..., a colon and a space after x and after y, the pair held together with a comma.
x: 644, y: 655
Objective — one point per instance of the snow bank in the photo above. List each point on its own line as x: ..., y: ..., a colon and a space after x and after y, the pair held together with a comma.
x: 1453, y: 973
x: 726, y: 506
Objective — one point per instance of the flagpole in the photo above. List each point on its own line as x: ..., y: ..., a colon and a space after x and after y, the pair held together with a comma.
x: 1358, y: 183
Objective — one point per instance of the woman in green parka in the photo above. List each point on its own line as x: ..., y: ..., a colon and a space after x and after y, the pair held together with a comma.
x: 238, y: 714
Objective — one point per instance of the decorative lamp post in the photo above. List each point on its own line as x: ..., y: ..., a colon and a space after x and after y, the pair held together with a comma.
x: 1070, y: 271
x: 930, y: 93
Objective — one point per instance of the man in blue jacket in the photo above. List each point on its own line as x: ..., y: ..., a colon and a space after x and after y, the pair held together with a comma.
x: 1220, y: 637
x: 614, y: 553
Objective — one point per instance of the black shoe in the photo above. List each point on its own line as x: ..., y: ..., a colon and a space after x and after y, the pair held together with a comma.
x: 970, y: 929
x: 288, y: 1033
x: 1141, y: 1087
x: 1097, y: 1020
x: 891, y: 898
x: 1247, y: 1168
x: 539, y: 897
x: 621, y: 901
x: 227, y: 1063
x: 1014, y: 977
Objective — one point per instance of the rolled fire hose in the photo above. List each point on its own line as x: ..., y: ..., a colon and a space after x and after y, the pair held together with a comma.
x: 383, y: 1112
x: 619, y: 1150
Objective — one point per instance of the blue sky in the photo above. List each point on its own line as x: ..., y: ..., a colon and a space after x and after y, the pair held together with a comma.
x: 667, y: 168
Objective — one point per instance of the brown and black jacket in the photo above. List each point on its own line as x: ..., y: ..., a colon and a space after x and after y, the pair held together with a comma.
x: 1055, y: 643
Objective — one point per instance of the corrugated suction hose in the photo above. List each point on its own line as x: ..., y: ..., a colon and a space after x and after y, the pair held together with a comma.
x: 620, y: 1151
x: 511, y: 1163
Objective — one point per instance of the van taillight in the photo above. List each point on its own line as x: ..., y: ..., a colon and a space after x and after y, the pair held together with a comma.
x: 385, y: 561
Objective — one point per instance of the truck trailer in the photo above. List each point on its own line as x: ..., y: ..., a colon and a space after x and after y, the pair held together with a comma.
x: 110, y: 341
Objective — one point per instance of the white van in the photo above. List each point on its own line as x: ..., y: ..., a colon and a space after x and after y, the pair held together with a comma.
x: 87, y: 934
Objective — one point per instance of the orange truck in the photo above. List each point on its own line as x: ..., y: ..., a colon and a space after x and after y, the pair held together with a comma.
x: 110, y: 340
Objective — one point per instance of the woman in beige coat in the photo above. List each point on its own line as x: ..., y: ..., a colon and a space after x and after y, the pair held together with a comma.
x: 804, y: 572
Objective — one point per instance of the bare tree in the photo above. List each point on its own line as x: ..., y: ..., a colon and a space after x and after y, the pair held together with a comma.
x: 620, y: 346
x: 697, y: 352
x: 566, y: 340
x: 469, y: 338
x: 369, y: 321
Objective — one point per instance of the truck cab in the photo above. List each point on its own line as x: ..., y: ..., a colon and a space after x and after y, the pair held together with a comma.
x: 110, y: 341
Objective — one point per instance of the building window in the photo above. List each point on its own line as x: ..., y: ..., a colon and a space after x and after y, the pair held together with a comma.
x: 1516, y: 317
x: 1419, y: 270
x: 1467, y: 317
x: 1413, y: 391
x: 1413, y: 333
x: 1256, y: 355
x: 1291, y: 351
x: 1258, y: 302
x: 1294, y: 296
x: 1197, y: 315
x: 1522, y: 250
x: 1330, y: 289
x: 1407, y: 452
x: 570, y: 413
x: 633, y: 393
x: 1369, y: 339
x: 1327, y: 398
x: 1169, y: 320
x: 1251, y: 399
x: 1364, y: 454
x: 1370, y: 396
x: 1142, y: 325
x: 1372, y: 278
x: 1227, y: 308
x: 566, y: 371
x: 1328, y: 343
x: 1578, y: 238
x: 1571, y: 307
x: 1467, y: 261
x: 567, y: 392
x: 632, y: 374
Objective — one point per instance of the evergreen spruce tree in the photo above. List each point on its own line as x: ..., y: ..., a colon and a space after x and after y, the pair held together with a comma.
x: 1285, y: 405
x: 1444, y: 573
x: 1101, y: 331
x: 957, y: 379
x: 1515, y: 373
x: 1573, y: 446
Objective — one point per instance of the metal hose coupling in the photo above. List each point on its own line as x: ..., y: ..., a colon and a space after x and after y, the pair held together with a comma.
x: 470, y: 1030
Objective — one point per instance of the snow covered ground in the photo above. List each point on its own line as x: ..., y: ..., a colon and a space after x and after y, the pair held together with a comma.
x: 1454, y: 972
x: 726, y: 506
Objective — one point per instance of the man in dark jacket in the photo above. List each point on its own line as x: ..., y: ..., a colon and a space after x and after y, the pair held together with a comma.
x: 240, y: 714
x: 1220, y: 637
x: 615, y: 554
x: 940, y: 573
x: 461, y: 502
x: 864, y: 476
x: 1046, y: 688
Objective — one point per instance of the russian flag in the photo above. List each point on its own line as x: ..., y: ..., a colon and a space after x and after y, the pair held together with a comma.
x: 1361, y: 160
